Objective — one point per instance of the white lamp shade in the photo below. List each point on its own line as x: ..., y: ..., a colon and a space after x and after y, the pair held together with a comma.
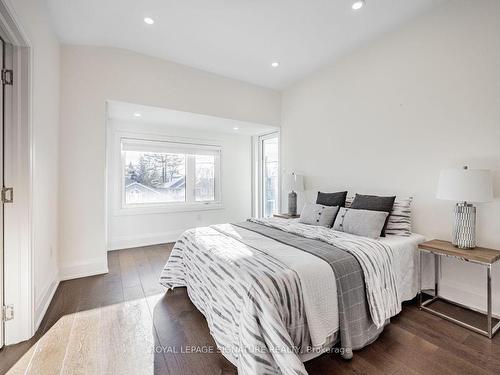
x: 465, y: 185
x: 294, y: 182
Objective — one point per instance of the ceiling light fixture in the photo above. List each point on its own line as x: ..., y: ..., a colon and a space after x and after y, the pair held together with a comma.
x: 357, y: 5
x: 149, y: 20
x: 275, y: 64
x: 137, y: 114
x: 236, y: 128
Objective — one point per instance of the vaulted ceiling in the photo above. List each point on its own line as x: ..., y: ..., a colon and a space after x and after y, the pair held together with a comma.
x: 235, y: 38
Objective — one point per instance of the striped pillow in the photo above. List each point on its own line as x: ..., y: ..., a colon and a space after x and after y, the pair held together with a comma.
x: 399, y: 222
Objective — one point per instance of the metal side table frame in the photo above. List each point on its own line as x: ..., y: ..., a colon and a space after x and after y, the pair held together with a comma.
x: 491, y: 330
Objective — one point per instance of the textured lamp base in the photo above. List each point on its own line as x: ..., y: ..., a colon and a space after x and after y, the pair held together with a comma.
x: 292, y: 203
x: 464, y: 228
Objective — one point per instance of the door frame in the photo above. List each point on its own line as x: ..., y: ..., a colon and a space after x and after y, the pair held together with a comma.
x: 18, y: 251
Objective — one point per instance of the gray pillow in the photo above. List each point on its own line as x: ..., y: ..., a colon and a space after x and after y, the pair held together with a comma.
x: 364, y: 223
x: 331, y: 199
x: 317, y: 214
x: 374, y: 203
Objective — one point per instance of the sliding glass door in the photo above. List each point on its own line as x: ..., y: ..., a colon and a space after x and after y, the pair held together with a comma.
x: 269, y: 174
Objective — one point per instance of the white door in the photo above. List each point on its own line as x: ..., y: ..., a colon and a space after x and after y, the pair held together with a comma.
x: 2, y: 146
x: 6, y: 78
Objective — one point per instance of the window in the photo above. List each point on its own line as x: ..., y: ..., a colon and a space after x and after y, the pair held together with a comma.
x: 154, y: 177
x: 269, y: 174
x: 158, y: 173
x: 205, y: 178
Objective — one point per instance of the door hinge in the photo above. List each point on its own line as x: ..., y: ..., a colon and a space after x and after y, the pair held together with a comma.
x: 7, y: 76
x: 7, y: 195
x: 7, y: 313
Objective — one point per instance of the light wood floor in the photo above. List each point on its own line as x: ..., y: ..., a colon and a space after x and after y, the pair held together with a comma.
x: 123, y: 323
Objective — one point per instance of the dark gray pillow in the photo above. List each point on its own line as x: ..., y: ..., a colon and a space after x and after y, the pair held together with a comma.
x: 374, y: 203
x: 316, y: 214
x: 332, y: 199
x: 364, y: 223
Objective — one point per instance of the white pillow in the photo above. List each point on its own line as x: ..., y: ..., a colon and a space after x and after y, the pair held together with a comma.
x: 399, y: 222
x: 364, y: 223
x: 317, y: 214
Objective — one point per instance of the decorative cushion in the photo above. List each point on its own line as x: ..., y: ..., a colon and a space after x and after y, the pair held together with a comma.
x: 374, y: 203
x: 317, y: 214
x: 332, y: 199
x: 364, y: 223
x: 399, y: 222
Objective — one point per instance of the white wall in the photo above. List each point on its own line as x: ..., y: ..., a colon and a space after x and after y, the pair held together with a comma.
x: 390, y: 116
x: 92, y: 75
x: 34, y: 21
x: 132, y: 229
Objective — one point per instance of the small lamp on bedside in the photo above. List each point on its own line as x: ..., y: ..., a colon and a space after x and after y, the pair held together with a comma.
x: 464, y: 186
x: 294, y: 182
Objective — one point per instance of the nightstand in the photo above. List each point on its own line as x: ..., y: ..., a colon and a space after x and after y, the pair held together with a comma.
x: 286, y: 216
x: 479, y: 322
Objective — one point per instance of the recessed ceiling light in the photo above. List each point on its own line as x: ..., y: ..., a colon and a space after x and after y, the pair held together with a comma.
x: 275, y: 64
x: 149, y: 20
x: 137, y: 114
x: 357, y: 5
x: 236, y: 128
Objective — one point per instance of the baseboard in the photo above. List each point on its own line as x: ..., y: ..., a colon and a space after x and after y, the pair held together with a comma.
x: 44, y: 303
x: 91, y: 267
x: 467, y: 296
x: 127, y: 242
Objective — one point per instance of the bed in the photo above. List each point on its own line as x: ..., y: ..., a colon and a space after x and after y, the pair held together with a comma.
x: 276, y: 292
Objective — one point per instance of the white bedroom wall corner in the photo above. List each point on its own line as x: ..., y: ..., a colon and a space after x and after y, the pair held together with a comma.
x: 92, y: 75
x: 45, y: 166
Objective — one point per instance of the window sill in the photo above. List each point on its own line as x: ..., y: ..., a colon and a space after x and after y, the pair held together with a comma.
x: 149, y: 210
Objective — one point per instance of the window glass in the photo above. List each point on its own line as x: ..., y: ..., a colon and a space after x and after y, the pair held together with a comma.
x: 205, y: 178
x: 162, y: 173
x: 270, y: 157
x: 154, y: 177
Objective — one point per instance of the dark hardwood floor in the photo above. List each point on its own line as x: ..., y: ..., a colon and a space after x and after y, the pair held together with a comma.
x: 414, y: 343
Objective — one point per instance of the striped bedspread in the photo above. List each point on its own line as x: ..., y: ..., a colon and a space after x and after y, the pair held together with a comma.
x: 256, y: 318
x: 376, y: 260
x: 254, y: 303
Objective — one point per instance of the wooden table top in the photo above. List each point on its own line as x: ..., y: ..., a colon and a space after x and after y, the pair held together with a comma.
x: 478, y: 254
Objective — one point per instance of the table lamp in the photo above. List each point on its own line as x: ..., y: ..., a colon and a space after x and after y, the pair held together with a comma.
x: 294, y: 182
x: 465, y: 186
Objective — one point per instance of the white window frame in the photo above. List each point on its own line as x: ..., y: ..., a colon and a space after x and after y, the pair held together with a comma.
x: 260, y: 171
x: 190, y: 204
